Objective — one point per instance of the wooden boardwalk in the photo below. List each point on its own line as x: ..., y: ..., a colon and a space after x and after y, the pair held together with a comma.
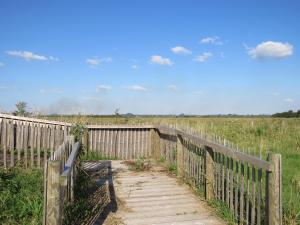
x: 153, y: 197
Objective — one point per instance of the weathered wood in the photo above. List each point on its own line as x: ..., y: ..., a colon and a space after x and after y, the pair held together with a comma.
x: 28, y: 119
x: 235, y: 155
x: 209, y: 172
x: 180, y: 159
x: 53, y: 212
x: 241, y: 216
x: 274, y: 190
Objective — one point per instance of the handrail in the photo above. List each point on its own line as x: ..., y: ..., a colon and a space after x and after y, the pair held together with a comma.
x: 28, y: 119
x: 255, y: 161
x: 120, y: 126
x: 69, y: 164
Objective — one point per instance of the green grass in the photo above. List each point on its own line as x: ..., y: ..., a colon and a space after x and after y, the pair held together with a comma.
x: 21, y: 196
x: 223, y: 211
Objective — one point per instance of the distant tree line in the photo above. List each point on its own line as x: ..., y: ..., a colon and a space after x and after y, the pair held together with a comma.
x: 288, y: 114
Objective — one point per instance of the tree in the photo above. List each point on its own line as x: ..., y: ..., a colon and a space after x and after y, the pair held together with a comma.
x: 21, y: 109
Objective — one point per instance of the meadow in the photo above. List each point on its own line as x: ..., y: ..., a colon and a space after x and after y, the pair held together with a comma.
x: 254, y: 135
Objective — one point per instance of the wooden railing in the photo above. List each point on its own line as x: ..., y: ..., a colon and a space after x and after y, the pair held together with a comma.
x: 29, y: 141
x: 59, y: 181
x: 119, y: 141
x: 249, y: 186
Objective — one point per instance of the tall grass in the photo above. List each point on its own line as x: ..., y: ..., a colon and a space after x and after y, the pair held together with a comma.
x: 21, y: 196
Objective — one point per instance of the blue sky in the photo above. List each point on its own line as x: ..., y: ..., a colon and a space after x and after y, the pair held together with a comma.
x: 193, y: 57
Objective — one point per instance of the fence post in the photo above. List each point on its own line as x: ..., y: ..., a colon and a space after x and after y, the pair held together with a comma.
x: 209, y: 173
x: 53, y: 201
x: 155, y: 144
x: 274, y: 190
x: 180, y: 162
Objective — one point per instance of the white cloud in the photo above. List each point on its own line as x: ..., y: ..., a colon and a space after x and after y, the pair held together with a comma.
x: 172, y: 87
x: 29, y: 56
x: 211, y: 40
x: 157, y: 59
x: 181, y: 50
x: 94, y: 62
x: 204, y: 57
x: 137, y: 88
x: 103, y: 88
x: 2, y: 64
x: 51, y: 91
x: 270, y: 49
x: 135, y: 67
x: 289, y: 100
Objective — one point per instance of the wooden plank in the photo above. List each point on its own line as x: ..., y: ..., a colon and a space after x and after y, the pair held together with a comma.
x: 227, y: 181
x: 53, y: 201
x: 236, y: 190
x: 28, y: 119
x: 38, y: 143
x: 12, y: 143
x: 248, y: 194
x: 4, y: 141
x: 274, y: 191
x: 25, y: 143
x: 253, y: 192
x: 120, y: 126
x: 31, y: 143
x: 231, y: 185
x: 242, y: 183
x: 209, y: 172
x: 259, y: 196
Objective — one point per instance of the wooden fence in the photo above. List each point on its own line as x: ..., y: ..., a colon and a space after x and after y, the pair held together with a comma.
x: 59, y: 179
x: 251, y: 187
x: 120, y: 141
x: 29, y: 141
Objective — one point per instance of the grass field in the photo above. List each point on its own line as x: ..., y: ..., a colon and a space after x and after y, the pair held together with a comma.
x: 255, y: 135
x: 21, y: 196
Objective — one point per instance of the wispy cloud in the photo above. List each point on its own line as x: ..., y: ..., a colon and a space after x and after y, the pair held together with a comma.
x: 180, y: 50
x: 135, y: 67
x: 51, y: 91
x: 173, y: 87
x: 203, y: 57
x: 270, y: 49
x: 4, y: 87
x: 103, y: 88
x: 138, y: 88
x: 211, y: 40
x: 30, y: 56
x: 2, y: 64
x: 95, y: 62
x: 289, y: 100
x: 157, y: 59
